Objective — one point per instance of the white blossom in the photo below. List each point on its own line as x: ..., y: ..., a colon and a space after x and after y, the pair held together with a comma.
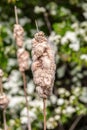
x: 61, y: 91
x: 72, y: 38
x: 53, y: 99
x: 23, y: 119
x: 84, y: 6
x: 13, y: 81
x: 28, y: 43
x: 36, y: 103
x: 72, y: 98
x: 30, y: 87
x: 69, y: 36
x: 57, y: 117
x: 24, y: 20
x: 15, y: 101
x: 38, y: 9
x: 75, y: 26
x: 12, y: 122
x: 58, y: 110
x: 83, y: 57
x: 52, y: 7
x: 65, y: 10
x: 75, y: 46
x: 60, y: 101
x: 31, y: 113
x: 70, y: 110
x: 54, y: 38
x: 11, y: 63
x: 40, y: 22
x: 51, y: 123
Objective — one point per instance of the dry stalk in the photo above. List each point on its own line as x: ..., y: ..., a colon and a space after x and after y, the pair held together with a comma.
x: 3, y: 100
x: 25, y: 92
x: 23, y: 57
x: 4, y: 118
x: 44, y: 111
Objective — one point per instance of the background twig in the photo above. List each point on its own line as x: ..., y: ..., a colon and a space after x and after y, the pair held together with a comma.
x: 47, y: 21
x: 75, y: 122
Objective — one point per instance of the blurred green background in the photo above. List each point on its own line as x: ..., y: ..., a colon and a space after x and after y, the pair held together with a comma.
x: 65, y: 25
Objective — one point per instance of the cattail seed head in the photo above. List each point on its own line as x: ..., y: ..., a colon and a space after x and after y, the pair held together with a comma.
x: 18, y: 35
x: 43, y: 66
x: 23, y: 58
x: 40, y: 37
x: 22, y: 55
x: 3, y: 101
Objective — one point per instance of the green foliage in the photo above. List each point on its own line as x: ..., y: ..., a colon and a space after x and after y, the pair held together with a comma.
x: 3, y: 56
x: 61, y: 28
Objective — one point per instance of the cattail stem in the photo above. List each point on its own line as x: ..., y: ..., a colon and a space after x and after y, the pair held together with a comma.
x: 16, y: 16
x: 44, y: 111
x: 1, y: 88
x: 4, y: 119
x: 36, y: 26
x: 25, y: 93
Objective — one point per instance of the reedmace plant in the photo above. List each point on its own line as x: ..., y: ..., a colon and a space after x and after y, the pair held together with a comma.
x: 43, y: 68
x: 23, y: 59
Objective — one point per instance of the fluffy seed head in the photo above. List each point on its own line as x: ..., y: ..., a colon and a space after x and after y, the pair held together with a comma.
x: 23, y: 59
x: 43, y: 66
x: 18, y: 35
